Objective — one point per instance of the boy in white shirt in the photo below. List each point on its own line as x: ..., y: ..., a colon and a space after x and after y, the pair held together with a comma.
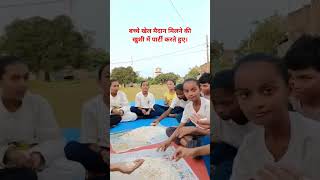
x: 287, y: 145
x: 93, y: 150
x: 305, y: 75
x: 144, y: 103
x: 119, y: 103
x: 176, y: 108
x: 205, y: 81
x: 29, y: 135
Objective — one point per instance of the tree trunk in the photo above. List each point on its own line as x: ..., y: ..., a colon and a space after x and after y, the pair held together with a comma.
x: 47, y: 76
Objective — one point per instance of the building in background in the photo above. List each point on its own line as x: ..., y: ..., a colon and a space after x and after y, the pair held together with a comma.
x: 157, y: 72
x: 89, y: 16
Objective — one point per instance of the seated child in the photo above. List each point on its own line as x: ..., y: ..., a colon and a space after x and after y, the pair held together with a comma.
x: 176, y: 108
x: 119, y: 103
x: 144, y: 103
x: 197, y: 105
x: 169, y: 96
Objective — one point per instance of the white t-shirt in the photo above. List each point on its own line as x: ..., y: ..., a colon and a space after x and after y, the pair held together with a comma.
x: 95, y: 124
x: 145, y: 101
x: 120, y: 101
x: 302, y: 154
x: 229, y: 131
x: 176, y: 102
x: 33, y: 122
x: 204, y: 110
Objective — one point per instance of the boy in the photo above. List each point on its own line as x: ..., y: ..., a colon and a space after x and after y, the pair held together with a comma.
x: 303, y: 62
x: 204, y: 81
x: 144, y: 103
x: 176, y: 108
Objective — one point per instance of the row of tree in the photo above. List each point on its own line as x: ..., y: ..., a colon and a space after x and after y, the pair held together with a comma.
x: 50, y: 45
x: 126, y: 75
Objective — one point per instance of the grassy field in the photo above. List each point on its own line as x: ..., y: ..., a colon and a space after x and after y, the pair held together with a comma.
x: 67, y: 97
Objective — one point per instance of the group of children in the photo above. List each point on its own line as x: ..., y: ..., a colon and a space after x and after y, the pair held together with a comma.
x: 266, y: 111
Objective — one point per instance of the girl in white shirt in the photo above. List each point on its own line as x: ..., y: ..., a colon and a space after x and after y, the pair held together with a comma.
x: 287, y: 147
x: 144, y: 103
x: 119, y: 103
x: 29, y: 134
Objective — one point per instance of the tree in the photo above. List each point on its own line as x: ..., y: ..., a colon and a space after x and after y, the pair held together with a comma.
x: 162, y: 78
x: 216, y: 52
x: 193, y: 73
x: 265, y: 38
x: 124, y: 75
x: 45, y: 44
x: 96, y: 57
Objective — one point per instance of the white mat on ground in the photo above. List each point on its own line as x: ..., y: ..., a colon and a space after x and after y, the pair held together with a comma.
x: 136, y: 138
x: 157, y: 166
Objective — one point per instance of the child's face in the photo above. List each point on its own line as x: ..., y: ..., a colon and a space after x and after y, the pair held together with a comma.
x: 205, y: 88
x: 226, y: 104
x: 14, y: 81
x: 114, y: 88
x: 180, y: 94
x: 191, y: 90
x: 261, y: 92
x: 145, y: 86
x: 305, y: 83
x: 170, y: 85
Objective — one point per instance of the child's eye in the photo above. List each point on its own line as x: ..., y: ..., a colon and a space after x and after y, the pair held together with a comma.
x: 243, y: 95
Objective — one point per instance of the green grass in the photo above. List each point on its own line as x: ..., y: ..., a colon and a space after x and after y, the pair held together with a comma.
x: 67, y: 97
x: 156, y: 90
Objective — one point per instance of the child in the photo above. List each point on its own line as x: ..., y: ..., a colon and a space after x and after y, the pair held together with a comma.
x: 126, y: 168
x: 92, y: 152
x: 169, y: 96
x: 197, y: 105
x: 287, y: 146
x: 144, y: 103
x: 204, y: 81
x: 176, y: 108
x: 230, y: 126
x: 119, y: 103
x: 303, y: 62
x: 28, y: 128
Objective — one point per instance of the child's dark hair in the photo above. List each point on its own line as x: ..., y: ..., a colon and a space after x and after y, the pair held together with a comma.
x: 205, y: 78
x: 179, y: 87
x: 174, y: 82
x: 6, y: 61
x: 101, y: 70
x: 261, y: 57
x: 143, y: 82
x: 113, y: 80
x: 304, y: 53
x: 223, y: 80
x: 191, y: 80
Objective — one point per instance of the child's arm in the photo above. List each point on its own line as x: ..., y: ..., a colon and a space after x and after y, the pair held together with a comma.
x: 166, y: 144
x: 183, y: 152
x: 163, y: 115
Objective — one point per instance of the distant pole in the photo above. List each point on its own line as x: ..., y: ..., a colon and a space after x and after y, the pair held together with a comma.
x: 207, y: 45
x: 131, y: 61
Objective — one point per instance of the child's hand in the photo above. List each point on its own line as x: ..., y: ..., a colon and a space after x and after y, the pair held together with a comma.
x: 185, y: 131
x: 155, y: 122
x: 275, y: 173
x: 182, y: 152
x: 172, y: 115
x: 195, y: 118
x: 18, y: 158
x: 163, y: 146
x: 128, y: 168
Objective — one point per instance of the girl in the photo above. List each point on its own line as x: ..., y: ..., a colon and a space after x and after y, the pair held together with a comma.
x: 169, y: 96
x: 29, y: 134
x: 144, y: 103
x: 197, y: 106
x: 119, y: 103
x: 288, y: 144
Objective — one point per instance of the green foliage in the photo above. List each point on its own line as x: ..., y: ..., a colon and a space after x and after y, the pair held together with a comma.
x: 193, y: 72
x: 162, y: 78
x: 124, y: 75
x: 265, y: 37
